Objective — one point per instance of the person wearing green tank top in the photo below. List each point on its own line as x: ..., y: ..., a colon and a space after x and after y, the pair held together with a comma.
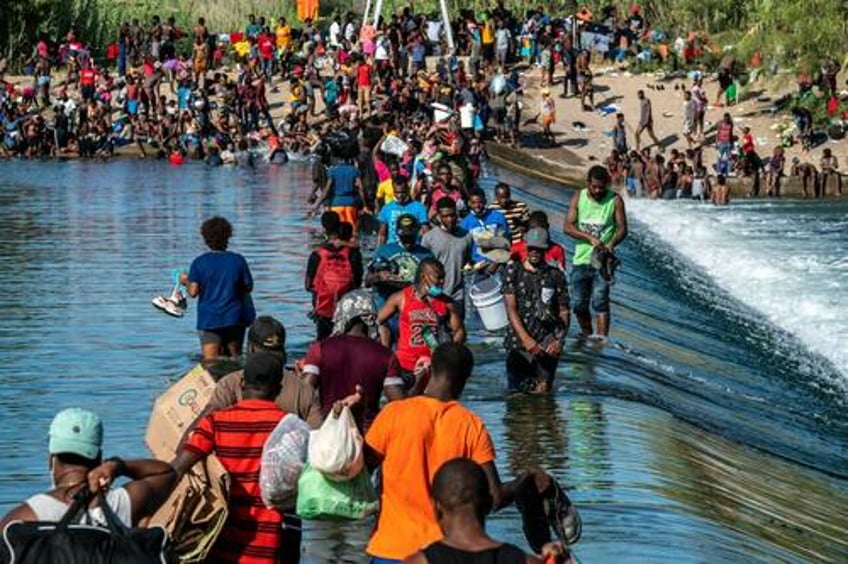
x: 596, y: 217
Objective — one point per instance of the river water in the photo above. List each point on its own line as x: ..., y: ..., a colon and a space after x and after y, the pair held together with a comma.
x: 712, y: 427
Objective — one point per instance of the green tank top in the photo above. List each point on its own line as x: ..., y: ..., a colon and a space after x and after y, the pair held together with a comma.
x: 595, y: 218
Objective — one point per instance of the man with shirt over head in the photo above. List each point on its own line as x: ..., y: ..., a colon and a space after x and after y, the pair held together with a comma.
x: 354, y: 357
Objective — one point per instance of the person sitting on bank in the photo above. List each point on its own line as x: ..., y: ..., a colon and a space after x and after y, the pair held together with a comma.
x: 462, y: 500
x: 75, y: 448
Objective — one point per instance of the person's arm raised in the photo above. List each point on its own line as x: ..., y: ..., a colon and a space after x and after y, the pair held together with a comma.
x: 152, y: 483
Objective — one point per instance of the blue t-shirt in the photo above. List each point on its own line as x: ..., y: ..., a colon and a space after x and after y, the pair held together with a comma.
x: 225, y: 283
x: 492, y: 221
x: 405, y: 261
x: 344, y: 185
x: 393, y: 210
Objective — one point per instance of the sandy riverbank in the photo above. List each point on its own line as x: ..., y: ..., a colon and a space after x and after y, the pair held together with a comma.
x: 580, y: 147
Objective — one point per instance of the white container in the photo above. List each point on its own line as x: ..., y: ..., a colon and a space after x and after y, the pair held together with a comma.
x: 488, y: 300
x: 466, y: 116
x: 440, y: 112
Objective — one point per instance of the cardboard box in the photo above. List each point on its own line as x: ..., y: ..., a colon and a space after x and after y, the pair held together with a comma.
x: 176, y: 410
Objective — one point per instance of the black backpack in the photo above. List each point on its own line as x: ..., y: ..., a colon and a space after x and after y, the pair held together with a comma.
x: 68, y: 543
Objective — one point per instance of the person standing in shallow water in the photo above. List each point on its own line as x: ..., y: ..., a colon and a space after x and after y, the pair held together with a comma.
x: 221, y: 281
x: 596, y: 218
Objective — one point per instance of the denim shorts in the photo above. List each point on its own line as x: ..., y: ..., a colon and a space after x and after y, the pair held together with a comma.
x: 588, y: 284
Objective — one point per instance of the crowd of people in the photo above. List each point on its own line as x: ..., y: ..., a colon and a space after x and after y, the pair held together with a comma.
x: 181, y: 93
x: 394, y: 145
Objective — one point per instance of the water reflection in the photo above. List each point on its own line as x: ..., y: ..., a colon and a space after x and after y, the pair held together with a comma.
x: 84, y: 246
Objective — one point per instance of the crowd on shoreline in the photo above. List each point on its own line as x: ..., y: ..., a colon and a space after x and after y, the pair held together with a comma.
x: 183, y: 94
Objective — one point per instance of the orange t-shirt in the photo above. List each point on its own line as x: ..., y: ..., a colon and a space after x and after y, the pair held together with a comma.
x: 415, y: 437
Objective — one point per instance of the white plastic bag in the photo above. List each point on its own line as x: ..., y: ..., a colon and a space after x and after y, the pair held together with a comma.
x: 335, y: 449
x: 394, y: 146
x: 283, y: 459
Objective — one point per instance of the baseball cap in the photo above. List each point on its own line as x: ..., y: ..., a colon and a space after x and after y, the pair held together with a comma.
x: 76, y: 431
x: 263, y: 369
x: 267, y: 332
x: 537, y: 238
x: 407, y: 223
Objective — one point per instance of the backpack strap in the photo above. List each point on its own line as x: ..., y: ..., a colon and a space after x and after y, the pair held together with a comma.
x: 81, y: 500
x: 116, y: 526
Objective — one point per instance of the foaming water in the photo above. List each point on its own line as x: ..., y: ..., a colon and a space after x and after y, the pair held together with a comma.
x: 702, y: 431
x: 786, y: 259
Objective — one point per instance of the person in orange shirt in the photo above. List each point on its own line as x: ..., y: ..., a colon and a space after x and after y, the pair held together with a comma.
x: 412, y: 438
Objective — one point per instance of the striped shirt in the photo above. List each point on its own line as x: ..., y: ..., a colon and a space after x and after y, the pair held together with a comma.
x: 516, y: 214
x: 236, y: 435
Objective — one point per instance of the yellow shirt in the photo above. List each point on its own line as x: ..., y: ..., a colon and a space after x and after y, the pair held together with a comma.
x: 488, y: 35
x: 283, y: 34
x: 386, y: 191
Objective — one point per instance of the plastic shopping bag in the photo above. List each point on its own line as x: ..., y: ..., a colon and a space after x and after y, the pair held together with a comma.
x: 283, y: 459
x: 335, y: 449
x: 394, y: 146
x: 321, y: 498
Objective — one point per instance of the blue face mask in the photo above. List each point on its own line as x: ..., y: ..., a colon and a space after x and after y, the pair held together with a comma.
x: 435, y: 291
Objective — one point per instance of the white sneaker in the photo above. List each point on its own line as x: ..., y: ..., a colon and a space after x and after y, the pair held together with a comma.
x: 169, y: 306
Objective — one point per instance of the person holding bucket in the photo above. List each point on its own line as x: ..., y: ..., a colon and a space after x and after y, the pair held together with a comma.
x: 538, y: 321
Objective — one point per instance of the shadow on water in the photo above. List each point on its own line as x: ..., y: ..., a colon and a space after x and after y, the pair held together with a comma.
x: 700, y: 432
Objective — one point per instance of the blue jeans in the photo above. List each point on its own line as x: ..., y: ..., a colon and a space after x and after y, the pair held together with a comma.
x: 375, y: 560
x: 587, y: 285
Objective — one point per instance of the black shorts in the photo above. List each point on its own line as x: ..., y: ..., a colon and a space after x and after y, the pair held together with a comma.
x: 524, y: 370
x: 223, y: 336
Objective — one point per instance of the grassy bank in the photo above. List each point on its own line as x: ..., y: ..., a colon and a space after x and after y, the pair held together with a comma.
x: 788, y: 33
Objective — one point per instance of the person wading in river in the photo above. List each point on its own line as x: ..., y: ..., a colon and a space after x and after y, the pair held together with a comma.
x: 536, y: 296
x: 413, y: 437
x: 462, y: 500
x: 221, y: 282
x: 597, y: 220
x: 75, y: 447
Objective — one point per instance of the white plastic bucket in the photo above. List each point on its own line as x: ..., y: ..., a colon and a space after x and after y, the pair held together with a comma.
x: 466, y: 116
x: 440, y: 112
x: 488, y: 300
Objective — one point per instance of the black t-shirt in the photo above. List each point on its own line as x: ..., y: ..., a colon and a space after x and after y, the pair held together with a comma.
x: 540, y: 296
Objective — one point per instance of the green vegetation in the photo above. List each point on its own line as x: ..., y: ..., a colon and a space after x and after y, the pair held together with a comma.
x: 788, y: 33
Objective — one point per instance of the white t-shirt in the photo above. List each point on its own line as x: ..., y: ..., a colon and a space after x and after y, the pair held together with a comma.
x: 434, y: 31
x: 502, y: 38
x: 350, y: 31
x: 48, y: 508
x: 381, y: 53
x: 335, y: 30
